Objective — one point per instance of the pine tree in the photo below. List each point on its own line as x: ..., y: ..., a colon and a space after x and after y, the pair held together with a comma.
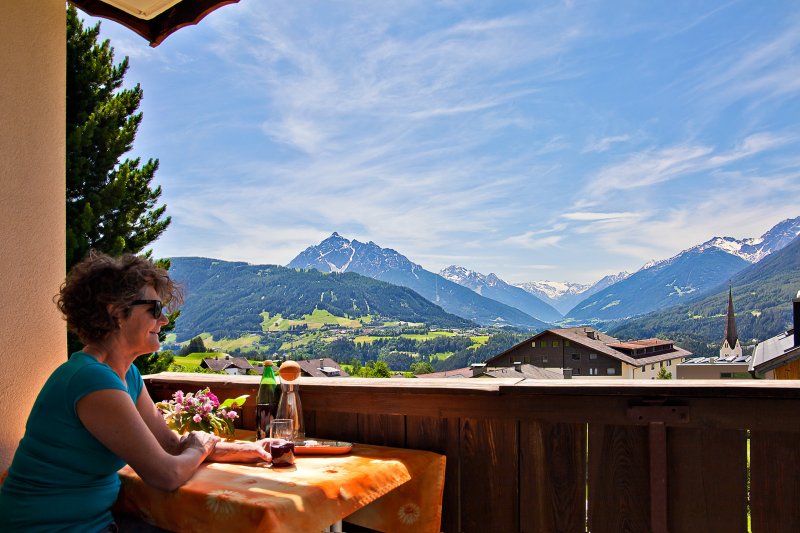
x: 111, y: 206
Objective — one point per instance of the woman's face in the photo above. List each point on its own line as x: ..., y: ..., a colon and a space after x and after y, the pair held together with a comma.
x: 138, y: 332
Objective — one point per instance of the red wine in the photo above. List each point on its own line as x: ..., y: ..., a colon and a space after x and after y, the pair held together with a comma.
x: 265, y: 413
x: 282, y: 453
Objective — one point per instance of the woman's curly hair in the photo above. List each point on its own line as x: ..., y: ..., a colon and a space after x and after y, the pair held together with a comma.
x: 100, y: 281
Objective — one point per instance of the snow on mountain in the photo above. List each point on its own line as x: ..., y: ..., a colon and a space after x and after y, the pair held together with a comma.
x: 751, y: 250
x: 491, y: 286
x: 338, y: 254
x: 554, y: 289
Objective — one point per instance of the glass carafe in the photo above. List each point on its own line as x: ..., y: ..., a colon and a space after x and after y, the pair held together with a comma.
x: 289, y: 407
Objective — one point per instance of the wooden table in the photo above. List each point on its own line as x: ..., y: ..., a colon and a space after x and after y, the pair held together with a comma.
x: 386, y: 489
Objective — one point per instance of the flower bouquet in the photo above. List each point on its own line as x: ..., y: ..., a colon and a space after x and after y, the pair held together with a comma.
x: 201, y: 411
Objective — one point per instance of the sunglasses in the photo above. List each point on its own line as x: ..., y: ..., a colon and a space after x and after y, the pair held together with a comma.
x: 156, y: 310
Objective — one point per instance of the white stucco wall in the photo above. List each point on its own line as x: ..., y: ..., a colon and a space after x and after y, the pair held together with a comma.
x: 32, y: 163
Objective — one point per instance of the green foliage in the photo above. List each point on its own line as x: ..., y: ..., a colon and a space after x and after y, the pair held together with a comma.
x: 381, y: 370
x: 421, y: 367
x: 155, y: 362
x: 195, y: 345
x: 110, y: 204
x: 663, y: 374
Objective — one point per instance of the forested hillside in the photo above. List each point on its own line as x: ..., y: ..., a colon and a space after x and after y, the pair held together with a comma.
x: 226, y: 299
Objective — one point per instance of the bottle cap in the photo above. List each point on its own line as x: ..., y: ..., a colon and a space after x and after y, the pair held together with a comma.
x: 267, y: 362
x: 289, y: 371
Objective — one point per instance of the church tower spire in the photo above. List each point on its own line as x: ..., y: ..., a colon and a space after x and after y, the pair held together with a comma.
x: 730, y: 343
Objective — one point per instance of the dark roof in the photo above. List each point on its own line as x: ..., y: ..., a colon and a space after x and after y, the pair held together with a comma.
x: 456, y: 373
x: 322, y: 368
x: 775, y: 352
x: 644, y: 343
x: 162, y: 23
x: 600, y: 342
x: 218, y: 364
x: 525, y: 372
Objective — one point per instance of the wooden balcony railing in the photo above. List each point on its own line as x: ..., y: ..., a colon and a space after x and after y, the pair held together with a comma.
x: 572, y: 455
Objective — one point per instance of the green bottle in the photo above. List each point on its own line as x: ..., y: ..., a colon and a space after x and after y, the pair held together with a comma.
x: 267, y: 400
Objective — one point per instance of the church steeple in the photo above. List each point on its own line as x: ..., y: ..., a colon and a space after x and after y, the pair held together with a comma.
x: 730, y: 343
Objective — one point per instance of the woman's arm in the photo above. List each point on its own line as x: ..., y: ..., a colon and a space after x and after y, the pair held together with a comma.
x: 168, y: 439
x: 112, y: 418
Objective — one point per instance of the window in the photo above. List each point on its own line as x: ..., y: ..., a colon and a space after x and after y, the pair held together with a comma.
x: 533, y: 344
x: 526, y: 359
x: 566, y: 343
x: 725, y: 375
x: 576, y: 371
x: 555, y: 344
x: 544, y: 359
x: 653, y: 366
x: 592, y: 356
x: 576, y: 357
x: 611, y: 371
x: 669, y: 362
x: 661, y: 364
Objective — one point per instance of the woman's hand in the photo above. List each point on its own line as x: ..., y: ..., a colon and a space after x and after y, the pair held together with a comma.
x: 205, y: 442
x: 241, y: 452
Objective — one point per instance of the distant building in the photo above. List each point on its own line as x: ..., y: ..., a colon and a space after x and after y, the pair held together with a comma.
x: 322, y: 368
x: 479, y: 370
x: 227, y: 364
x: 585, y: 352
x: 731, y: 362
x: 730, y: 344
x: 779, y: 356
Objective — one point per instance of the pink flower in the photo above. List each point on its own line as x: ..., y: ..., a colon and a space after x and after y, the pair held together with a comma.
x: 178, y: 396
x: 197, y: 418
x: 213, y: 398
x: 232, y: 415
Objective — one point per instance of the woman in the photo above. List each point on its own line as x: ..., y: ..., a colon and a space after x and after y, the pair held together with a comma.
x: 94, y: 414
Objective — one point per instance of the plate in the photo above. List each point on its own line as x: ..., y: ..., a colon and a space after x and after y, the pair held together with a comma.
x: 322, y: 447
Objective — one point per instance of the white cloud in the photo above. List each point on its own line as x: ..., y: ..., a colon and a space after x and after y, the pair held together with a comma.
x: 604, y: 144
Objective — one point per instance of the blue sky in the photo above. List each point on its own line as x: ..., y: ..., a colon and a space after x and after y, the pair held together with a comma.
x: 536, y: 140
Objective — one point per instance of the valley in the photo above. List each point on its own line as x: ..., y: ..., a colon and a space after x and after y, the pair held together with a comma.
x: 353, y: 301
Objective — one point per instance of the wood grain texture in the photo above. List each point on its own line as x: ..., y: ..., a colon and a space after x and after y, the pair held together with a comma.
x: 552, y: 477
x: 775, y: 482
x: 619, y: 481
x: 384, y: 430
x: 489, y: 475
x: 441, y: 435
x: 707, y: 479
x: 337, y: 426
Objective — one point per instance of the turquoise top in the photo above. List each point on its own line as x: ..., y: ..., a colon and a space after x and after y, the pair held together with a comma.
x: 62, y: 478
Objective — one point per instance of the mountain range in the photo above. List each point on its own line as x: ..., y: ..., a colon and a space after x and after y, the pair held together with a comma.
x: 564, y: 295
x: 338, y: 254
x: 495, y: 288
x: 662, y: 284
x: 226, y: 298
x: 762, y: 296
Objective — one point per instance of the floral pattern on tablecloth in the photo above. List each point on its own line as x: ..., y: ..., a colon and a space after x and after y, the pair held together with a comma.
x: 392, y: 489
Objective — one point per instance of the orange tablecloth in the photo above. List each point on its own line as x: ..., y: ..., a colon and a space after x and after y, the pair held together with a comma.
x: 388, y: 489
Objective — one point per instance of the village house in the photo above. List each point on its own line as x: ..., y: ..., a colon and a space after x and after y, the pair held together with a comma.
x: 585, y: 352
x: 227, y: 364
x: 322, y: 368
